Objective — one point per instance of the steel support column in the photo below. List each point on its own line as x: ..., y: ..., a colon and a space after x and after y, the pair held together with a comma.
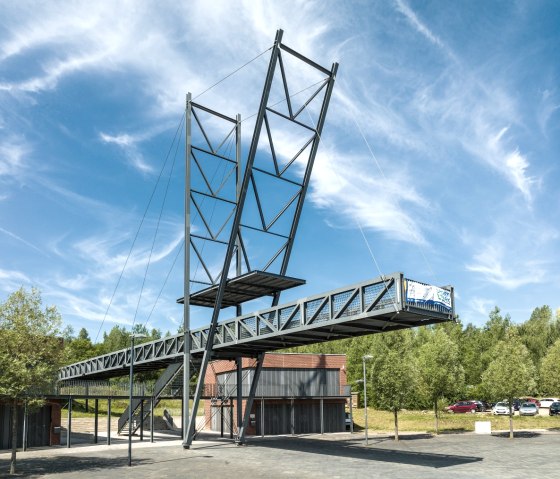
x: 108, y: 421
x: 262, y: 417
x: 152, y: 406
x: 186, y: 279
x: 292, y: 417
x: 239, y: 361
x: 69, y: 431
x: 96, y: 420
x: 250, y: 398
x: 25, y: 425
x: 142, y: 417
x: 322, y: 417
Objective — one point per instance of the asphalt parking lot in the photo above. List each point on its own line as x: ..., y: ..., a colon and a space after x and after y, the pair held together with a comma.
x: 343, y: 455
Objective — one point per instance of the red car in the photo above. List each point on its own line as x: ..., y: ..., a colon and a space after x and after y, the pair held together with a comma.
x: 533, y: 400
x: 462, y: 406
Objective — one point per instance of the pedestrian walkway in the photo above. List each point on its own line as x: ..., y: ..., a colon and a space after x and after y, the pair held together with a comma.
x: 341, y: 455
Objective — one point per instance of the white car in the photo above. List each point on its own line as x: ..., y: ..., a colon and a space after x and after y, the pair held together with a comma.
x: 501, y: 408
x: 546, y: 402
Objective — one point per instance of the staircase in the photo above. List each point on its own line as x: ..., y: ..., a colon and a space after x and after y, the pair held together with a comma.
x: 166, y: 378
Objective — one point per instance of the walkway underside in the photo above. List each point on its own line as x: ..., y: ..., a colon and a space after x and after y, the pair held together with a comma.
x: 374, y: 306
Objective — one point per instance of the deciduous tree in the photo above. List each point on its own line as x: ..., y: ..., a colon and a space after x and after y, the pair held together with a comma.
x: 394, y: 373
x: 30, y: 353
x: 550, y: 377
x: 511, y: 373
x: 440, y: 370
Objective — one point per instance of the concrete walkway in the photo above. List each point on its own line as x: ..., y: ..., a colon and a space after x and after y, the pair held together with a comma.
x: 530, y: 454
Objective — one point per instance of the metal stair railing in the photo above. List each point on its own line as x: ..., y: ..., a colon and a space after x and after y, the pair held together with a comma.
x: 163, y: 381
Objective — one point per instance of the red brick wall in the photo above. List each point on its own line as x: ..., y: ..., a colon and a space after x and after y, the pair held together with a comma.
x: 273, y: 360
x: 55, y: 422
x: 277, y: 360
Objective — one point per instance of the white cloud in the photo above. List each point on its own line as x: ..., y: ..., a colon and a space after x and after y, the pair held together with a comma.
x: 374, y: 201
x: 507, y: 270
x: 11, y: 280
x: 129, y: 145
x: 21, y: 240
x: 420, y: 27
x: 549, y: 105
x: 12, y: 154
x: 99, y: 252
x: 481, y: 306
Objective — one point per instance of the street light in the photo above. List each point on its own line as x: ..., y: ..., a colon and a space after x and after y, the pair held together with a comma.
x: 133, y: 336
x: 364, y: 359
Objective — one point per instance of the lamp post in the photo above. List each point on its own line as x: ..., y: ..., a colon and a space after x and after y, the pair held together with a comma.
x: 364, y: 359
x: 133, y: 336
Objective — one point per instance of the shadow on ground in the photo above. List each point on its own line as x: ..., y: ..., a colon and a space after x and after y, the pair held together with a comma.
x: 518, y: 434
x: 349, y: 449
x: 39, y: 466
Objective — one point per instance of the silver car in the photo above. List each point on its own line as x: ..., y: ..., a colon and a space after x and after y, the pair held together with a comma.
x: 528, y: 409
x: 501, y: 408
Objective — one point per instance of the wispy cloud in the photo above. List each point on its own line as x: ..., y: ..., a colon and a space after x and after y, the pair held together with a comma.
x: 508, y: 272
x: 21, y: 240
x: 549, y: 105
x: 106, y: 256
x: 12, y: 154
x: 11, y: 280
x: 421, y: 27
x: 129, y: 145
x: 371, y: 201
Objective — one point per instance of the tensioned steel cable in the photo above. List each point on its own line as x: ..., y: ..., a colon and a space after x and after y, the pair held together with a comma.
x: 358, y: 222
x: 156, y: 230
x: 385, y: 178
x: 157, y: 183
x: 216, y: 170
x: 179, y: 250
x: 290, y: 96
x: 140, y: 226
x: 233, y: 72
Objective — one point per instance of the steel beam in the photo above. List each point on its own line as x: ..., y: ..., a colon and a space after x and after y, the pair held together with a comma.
x: 314, y: 319
x: 250, y: 398
x: 187, y: 275
x: 232, y: 241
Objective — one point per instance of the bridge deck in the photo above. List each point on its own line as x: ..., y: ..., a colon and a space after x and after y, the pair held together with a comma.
x: 374, y: 306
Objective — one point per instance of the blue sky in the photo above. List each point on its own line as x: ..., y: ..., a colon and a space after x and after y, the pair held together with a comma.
x: 441, y: 146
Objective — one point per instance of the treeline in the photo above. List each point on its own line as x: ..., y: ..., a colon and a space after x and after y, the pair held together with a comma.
x: 80, y: 347
x: 423, y: 367
x: 444, y: 362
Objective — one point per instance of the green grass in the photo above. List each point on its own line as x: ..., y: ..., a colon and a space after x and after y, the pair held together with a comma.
x: 419, y: 421
x: 118, y: 406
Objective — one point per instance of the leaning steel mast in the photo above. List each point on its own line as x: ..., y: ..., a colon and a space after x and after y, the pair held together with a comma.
x: 270, y: 177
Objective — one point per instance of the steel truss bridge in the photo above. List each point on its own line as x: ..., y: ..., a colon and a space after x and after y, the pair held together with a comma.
x: 249, y: 219
x: 374, y: 306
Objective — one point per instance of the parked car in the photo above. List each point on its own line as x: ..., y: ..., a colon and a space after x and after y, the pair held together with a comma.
x: 528, y: 409
x: 554, y: 409
x: 533, y: 400
x: 501, y: 408
x: 462, y: 407
x: 481, y: 406
x: 546, y: 402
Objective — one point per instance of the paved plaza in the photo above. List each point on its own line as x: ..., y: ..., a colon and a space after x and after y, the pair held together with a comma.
x: 343, y: 455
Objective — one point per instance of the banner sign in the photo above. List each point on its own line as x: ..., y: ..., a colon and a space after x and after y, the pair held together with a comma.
x: 426, y: 295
